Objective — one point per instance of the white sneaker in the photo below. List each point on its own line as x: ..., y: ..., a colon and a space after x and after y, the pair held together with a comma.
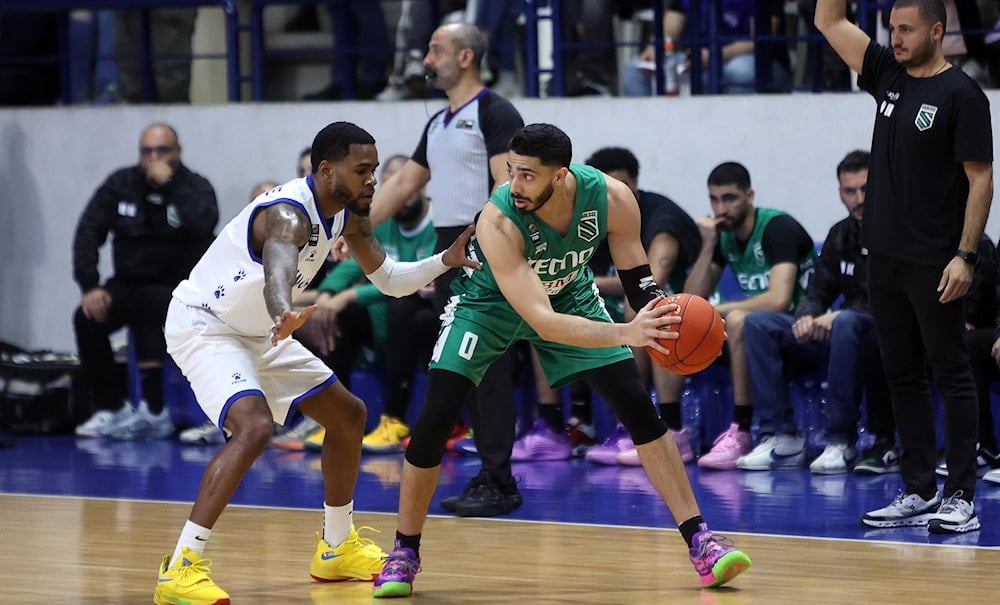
x: 985, y: 461
x: 955, y: 516
x: 836, y: 458
x: 907, y: 510
x: 992, y: 477
x: 144, y: 425
x: 775, y: 452
x: 104, y: 421
x: 205, y: 433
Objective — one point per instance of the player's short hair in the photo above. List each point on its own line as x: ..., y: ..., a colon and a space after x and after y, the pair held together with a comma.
x: 609, y: 159
x: 855, y: 161
x: 543, y: 141
x: 730, y: 173
x: 333, y: 143
x: 930, y: 11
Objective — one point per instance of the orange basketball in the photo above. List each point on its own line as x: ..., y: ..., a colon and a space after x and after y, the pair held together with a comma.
x: 702, y: 334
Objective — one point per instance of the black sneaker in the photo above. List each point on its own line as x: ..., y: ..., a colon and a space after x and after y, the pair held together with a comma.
x: 484, y: 496
x: 879, y: 460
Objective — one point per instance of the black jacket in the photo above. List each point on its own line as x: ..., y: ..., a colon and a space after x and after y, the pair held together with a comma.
x: 842, y: 269
x: 158, y: 233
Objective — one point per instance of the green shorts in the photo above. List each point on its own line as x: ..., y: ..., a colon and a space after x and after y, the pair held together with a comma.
x: 474, y: 333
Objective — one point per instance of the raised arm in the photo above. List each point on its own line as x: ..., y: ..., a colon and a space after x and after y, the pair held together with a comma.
x: 503, y: 247
x: 846, y: 38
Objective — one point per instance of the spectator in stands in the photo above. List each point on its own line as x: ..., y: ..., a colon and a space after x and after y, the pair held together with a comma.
x: 735, y: 24
x: 460, y: 159
x: 161, y: 216
x: 498, y: 20
x: 590, y: 63
x: 368, y: 47
x: 170, y: 36
x: 93, y: 61
x: 417, y: 20
x: 778, y: 345
x: 772, y: 257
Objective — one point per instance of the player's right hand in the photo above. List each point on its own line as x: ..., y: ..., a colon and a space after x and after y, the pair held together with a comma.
x: 651, y: 324
x: 340, y: 249
x: 288, y: 322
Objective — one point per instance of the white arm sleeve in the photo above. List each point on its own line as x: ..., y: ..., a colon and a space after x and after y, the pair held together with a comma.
x: 404, y: 278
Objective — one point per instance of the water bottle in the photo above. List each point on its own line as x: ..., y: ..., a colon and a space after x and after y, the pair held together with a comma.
x: 671, y: 66
x: 691, y: 413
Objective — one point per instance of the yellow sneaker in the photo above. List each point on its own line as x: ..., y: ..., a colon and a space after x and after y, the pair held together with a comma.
x: 387, y: 437
x: 187, y: 582
x: 314, y: 441
x: 356, y: 559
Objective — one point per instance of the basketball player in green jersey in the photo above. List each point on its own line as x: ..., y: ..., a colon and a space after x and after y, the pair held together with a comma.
x: 534, y: 238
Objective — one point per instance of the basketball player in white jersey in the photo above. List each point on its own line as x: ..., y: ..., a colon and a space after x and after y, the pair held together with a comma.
x: 228, y: 329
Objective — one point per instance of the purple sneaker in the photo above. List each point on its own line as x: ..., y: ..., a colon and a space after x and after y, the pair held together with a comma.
x: 396, y: 579
x: 630, y: 456
x: 618, y: 441
x: 540, y: 443
x: 715, y: 562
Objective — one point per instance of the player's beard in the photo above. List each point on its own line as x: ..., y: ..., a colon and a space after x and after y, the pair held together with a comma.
x: 538, y: 202
x: 353, y: 203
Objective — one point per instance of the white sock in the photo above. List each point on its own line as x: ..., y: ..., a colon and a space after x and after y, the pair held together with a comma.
x: 337, y: 522
x: 194, y: 537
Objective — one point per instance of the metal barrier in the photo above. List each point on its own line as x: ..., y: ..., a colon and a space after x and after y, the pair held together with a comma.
x: 63, y: 7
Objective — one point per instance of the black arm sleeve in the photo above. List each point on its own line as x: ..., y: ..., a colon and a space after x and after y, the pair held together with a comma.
x: 785, y: 241
x: 640, y: 288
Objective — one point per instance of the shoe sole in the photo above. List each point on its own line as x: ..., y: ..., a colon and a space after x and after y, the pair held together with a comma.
x: 159, y: 599
x: 937, y: 526
x: 363, y: 577
x: 503, y: 509
x: 871, y: 470
x: 729, y: 566
x: 393, y: 589
x: 914, y: 521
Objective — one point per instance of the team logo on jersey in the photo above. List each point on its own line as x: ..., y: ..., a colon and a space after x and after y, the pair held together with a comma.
x: 465, y: 125
x: 314, y: 236
x: 533, y: 233
x: 925, y: 117
x: 758, y: 254
x: 173, y: 216
x: 589, y: 227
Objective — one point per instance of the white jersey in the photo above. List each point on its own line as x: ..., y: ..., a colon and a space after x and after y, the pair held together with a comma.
x: 228, y: 281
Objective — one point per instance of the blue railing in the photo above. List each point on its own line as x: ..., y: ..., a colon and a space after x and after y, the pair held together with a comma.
x: 701, y: 34
x: 146, y: 55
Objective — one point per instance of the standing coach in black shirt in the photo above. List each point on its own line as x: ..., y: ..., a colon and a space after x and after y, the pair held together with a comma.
x: 929, y: 191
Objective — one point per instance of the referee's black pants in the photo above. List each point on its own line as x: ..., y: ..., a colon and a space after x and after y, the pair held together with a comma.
x: 915, y: 330
x: 492, y: 405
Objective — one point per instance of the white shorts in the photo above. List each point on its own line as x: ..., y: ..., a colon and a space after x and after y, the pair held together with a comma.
x: 224, y: 366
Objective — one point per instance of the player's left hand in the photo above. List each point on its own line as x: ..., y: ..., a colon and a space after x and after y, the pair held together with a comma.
x: 955, y: 280
x: 288, y: 322
x: 455, y: 256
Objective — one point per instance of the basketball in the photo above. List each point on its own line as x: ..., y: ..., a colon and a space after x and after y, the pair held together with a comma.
x: 701, y: 336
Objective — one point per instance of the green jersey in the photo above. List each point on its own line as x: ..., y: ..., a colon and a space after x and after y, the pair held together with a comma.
x: 750, y: 265
x: 559, y: 261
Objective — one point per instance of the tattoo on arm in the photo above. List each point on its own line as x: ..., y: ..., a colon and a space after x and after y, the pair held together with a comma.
x: 285, y: 231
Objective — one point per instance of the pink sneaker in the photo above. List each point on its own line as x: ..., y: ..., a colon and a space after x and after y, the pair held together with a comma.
x: 605, y: 454
x: 630, y: 456
x: 716, y: 562
x: 726, y: 449
x: 540, y: 443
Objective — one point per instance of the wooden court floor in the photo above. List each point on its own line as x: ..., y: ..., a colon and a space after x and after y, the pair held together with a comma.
x: 99, y: 551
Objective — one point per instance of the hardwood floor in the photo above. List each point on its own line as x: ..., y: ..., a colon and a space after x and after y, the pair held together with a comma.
x: 99, y: 551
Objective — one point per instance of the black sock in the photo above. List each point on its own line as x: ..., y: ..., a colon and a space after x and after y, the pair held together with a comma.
x: 411, y: 542
x: 671, y: 415
x: 743, y: 416
x: 152, y: 388
x: 581, y: 411
x: 690, y: 527
x: 552, y: 414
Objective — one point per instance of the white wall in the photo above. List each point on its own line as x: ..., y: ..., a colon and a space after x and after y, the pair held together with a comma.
x: 52, y: 160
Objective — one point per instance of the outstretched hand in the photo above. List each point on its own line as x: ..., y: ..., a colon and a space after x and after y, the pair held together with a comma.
x: 651, y: 324
x: 455, y: 256
x: 288, y: 322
